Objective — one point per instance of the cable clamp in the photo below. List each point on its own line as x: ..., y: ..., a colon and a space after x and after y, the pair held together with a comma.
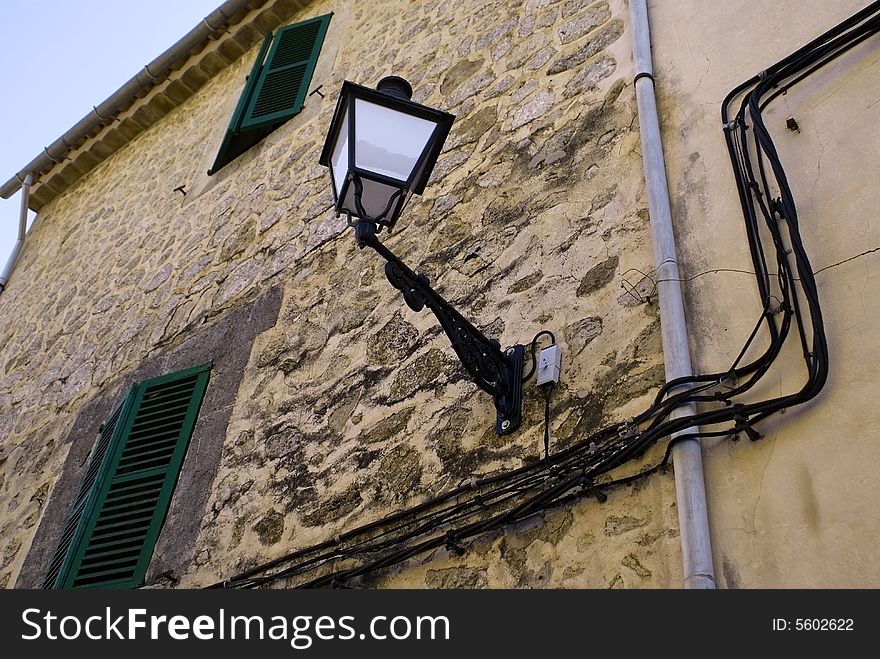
x: 452, y: 545
x: 782, y: 307
x: 776, y: 208
x: 628, y: 430
x: 743, y: 425
x: 729, y: 380
x: 336, y: 582
x: 731, y: 125
x: 589, y: 487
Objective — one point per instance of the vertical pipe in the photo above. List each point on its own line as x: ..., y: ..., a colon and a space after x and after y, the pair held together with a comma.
x: 690, y: 489
x: 22, y: 230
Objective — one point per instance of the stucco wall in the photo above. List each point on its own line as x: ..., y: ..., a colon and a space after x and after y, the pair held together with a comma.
x: 798, y: 508
x: 352, y: 406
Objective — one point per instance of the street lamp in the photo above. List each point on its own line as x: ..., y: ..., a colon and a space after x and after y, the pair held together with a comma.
x: 381, y: 149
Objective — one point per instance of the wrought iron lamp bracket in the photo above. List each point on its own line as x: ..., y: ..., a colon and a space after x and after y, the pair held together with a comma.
x: 497, y: 372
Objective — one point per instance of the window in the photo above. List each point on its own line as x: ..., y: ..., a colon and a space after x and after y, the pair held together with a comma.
x: 276, y: 87
x: 120, y: 506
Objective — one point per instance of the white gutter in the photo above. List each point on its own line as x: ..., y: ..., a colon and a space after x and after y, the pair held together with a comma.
x: 690, y: 489
x: 22, y: 230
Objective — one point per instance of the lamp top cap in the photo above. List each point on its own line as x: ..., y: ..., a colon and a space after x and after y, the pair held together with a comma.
x: 395, y: 86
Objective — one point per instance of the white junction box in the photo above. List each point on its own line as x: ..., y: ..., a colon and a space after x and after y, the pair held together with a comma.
x: 549, y: 363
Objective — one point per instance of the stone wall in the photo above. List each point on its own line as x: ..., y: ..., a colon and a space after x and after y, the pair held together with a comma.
x: 352, y: 406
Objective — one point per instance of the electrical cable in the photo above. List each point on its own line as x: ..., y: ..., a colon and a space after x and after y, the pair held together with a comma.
x: 548, y: 391
x: 532, y: 345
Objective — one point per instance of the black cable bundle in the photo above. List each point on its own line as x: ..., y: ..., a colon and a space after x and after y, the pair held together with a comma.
x: 787, y: 289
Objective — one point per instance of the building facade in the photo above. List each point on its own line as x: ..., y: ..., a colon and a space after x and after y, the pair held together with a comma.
x: 327, y: 405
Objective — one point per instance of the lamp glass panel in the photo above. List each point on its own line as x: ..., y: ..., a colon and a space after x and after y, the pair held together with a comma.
x: 374, y: 198
x: 339, y: 160
x: 389, y: 142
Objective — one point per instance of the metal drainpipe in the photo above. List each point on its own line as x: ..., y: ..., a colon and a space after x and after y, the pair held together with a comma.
x: 690, y: 489
x: 22, y: 229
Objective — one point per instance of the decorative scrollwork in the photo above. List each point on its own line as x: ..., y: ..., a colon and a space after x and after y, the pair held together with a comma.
x: 482, y: 357
x: 414, y: 297
x: 497, y: 373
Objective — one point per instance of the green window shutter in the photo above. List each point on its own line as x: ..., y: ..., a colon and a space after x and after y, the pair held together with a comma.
x: 223, y: 155
x: 57, y: 571
x: 121, y: 521
x: 276, y: 88
x: 284, y: 80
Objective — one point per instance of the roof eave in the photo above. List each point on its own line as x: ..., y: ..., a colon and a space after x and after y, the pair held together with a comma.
x: 93, y: 137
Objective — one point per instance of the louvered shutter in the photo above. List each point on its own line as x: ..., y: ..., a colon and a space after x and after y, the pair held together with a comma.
x: 276, y: 87
x: 226, y: 151
x: 286, y: 74
x: 132, y: 493
x: 59, y: 565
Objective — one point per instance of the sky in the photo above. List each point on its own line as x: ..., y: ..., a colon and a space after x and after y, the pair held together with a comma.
x: 59, y: 58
